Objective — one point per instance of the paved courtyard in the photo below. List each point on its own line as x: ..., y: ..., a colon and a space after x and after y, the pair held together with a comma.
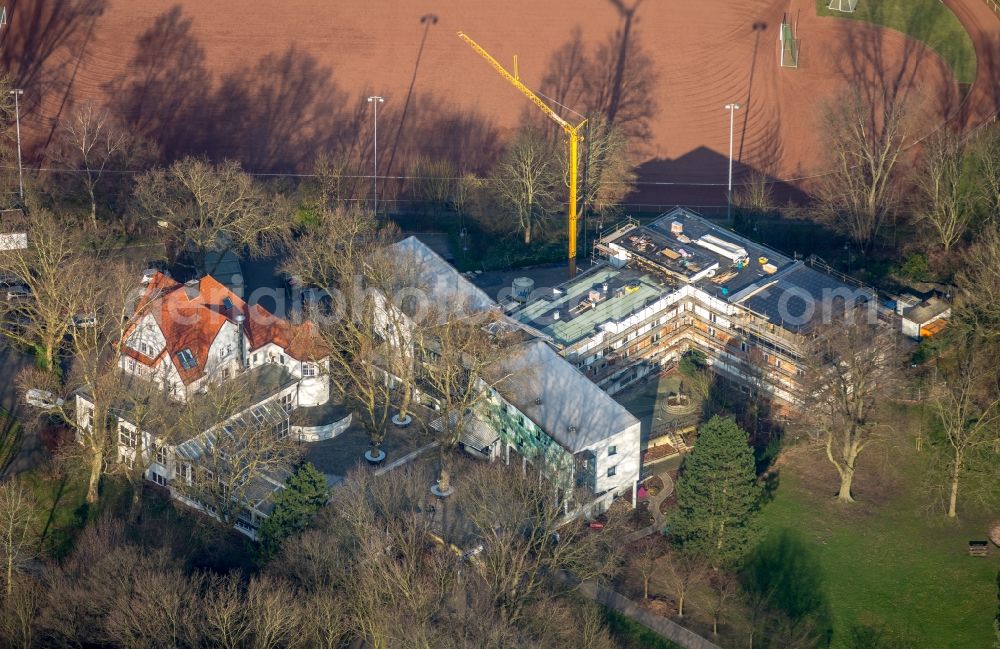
x: 338, y: 456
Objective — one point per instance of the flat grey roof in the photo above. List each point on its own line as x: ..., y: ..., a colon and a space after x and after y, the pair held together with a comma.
x: 568, y: 314
x: 926, y: 311
x: 448, y: 289
x: 781, y: 296
x: 563, y: 402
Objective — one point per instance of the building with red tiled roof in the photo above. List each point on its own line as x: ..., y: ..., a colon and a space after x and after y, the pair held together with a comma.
x: 191, y: 339
x: 189, y: 335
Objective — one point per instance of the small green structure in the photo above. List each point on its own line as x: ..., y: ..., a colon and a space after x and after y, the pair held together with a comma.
x: 788, y: 44
x: 847, y: 6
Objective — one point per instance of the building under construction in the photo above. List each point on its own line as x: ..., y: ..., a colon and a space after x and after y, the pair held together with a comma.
x: 680, y: 283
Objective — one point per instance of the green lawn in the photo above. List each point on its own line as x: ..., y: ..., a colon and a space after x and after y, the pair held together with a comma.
x: 896, y: 564
x: 632, y: 635
x: 10, y: 438
x: 925, y: 20
x: 60, y: 504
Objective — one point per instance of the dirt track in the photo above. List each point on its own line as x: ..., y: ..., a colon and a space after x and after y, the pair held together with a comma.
x: 273, y: 83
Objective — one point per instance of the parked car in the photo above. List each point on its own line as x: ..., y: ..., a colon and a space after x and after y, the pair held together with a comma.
x: 42, y: 399
x: 18, y: 292
x: 149, y: 273
x: 85, y: 320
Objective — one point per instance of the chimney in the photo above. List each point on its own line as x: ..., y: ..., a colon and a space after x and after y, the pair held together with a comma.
x: 192, y: 288
x: 240, y: 342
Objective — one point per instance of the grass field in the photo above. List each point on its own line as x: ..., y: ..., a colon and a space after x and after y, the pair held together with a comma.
x: 889, y: 561
x: 632, y: 635
x: 61, y: 508
x: 925, y: 20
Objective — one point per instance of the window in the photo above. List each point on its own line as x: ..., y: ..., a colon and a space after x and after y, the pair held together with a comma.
x: 162, y: 455
x: 308, y: 370
x: 777, y: 363
x: 159, y: 479
x: 254, y: 359
x: 146, y: 348
x: 185, y: 472
x: 712, y: 318
x: 744, y: 346
x: 186, y: 359
x: 228, y: 303
x: 281, y: 359
x: 225, y: 352
x: 130, y: 365
x: 612, y: 450
x: 612, y: 471
x: 711, y: 332
x: 128, y: 437
x: 286, y: 401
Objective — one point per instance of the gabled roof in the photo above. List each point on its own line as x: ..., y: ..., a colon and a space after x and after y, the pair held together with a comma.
x: 190, y: 317
x: 563, y: 402
x: 448, y: 289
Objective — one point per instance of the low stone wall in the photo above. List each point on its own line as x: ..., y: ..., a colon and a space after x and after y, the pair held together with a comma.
x: 320, y: 433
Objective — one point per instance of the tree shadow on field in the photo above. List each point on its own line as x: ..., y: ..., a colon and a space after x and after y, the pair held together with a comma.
x: 43, y: 43
x: 886, y: 77
x: 164, y: 83
x: 784, y: 571
x: 615, y: 79
x: 277, y: 114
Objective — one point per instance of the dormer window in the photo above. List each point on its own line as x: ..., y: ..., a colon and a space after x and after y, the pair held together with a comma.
x: 186, y: 359
x: 228, y: 303
x: 308, y: 370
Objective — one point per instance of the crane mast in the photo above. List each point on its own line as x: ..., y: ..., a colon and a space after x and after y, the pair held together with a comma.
x: 573, y: 133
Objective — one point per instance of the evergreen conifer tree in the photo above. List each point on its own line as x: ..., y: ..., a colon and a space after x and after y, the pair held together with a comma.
x: 304, y: 494
x: 718, y: 496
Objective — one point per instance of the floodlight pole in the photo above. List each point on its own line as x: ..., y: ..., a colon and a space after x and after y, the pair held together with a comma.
x: 732, y: 108
x: 17, y: 92
x: 375, y: 99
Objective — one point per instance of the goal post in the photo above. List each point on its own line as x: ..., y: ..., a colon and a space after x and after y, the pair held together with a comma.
x: 846, y: 6
x: 788, y: 45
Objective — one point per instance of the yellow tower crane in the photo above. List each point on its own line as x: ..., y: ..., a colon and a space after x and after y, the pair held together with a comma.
x: 573, y: 132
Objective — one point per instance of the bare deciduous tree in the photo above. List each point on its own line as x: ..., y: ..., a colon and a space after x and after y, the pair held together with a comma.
x: 947, y: 194
x: 607, y: 173
x: 519, y: 522
x: 369, y: 335
x: 49, y: 269
x: 967, y: 403
x: 524, y: 182
x: 459, y: 365
x: 645, y: 560
x: 433, y: 183
x: 464, y: 191
x: 988, y: 158
x: 244, y: 453
x: 865, y: 143
x: 977, y: 307
x: 336, y: 183
x: 17, y: 536
x: 213, y: 208
x: 723, y: 587
x: 94, y: 323
x: 679, y: 573
x: 850, y: 372
x: 91, y: 143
